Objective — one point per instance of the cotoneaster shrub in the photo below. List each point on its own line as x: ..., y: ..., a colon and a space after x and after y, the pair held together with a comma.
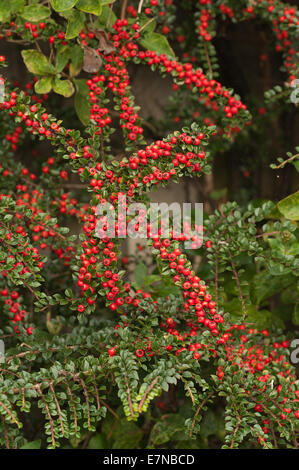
x: 88, y: 349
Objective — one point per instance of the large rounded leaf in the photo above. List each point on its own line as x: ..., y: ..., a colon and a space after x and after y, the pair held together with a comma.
x: 75, y: 24
x: 289, y: 207
x: 62, y: 5
x: 158, y: 43
x: 37, y: 63
x: 90, y: 6
x: 63, y: 87
x: 44, y: 85
x: 82, y: 103
x: 35, y: 13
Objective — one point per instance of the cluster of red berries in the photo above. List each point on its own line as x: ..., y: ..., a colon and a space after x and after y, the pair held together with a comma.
x: 17, y: 312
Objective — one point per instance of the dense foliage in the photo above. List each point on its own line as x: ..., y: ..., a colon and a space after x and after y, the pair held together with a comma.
x: 105, y: 350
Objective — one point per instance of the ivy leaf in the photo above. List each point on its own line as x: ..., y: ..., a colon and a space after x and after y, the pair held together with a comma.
x: 62, y: 5
x: 44, y: 85
x: 63, y: 87
x: 158, y: 43
x: 90, y: 6
x: 289, y: 206
x: 82, y: 104
x: 37, y: 63
x: 35, y: 13
x: 75, y: 24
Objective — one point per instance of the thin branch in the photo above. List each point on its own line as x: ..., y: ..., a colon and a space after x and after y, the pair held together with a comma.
x: 123, y: 9
x: 147, y: 391
x: 198, y: 410
x: 140, y: 6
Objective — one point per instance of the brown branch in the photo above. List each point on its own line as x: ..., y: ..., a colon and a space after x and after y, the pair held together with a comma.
x: 87, y: 400
x: 147, y: 391
x: 72, y: 404
x: 238, y: 283
x: 235, y: 432
x: 293, y: 157
x: 140, y: 6
x: 198, y: 410
x: 123, y: 9
x: 5, y: 433
x: 96, y: 394
x: 58, y: 408
x: 9, y: 413
x: 48, y: 413
x: 208, y: 59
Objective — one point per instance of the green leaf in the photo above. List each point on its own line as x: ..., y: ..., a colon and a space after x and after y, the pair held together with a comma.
x: 289, y: 207
x: 36, y: 62
x: 90, y: 6
x: 63, y: 87
x: 158, y: 43
x: 127, y: 435
x: 150, y: 26
x: 140, y: 273
x: 107, y: 2
x: 35, y: 13
x: 9, y: 8
x: 75, y: 24
x: 164, y: 431
x: 44, y: 85
x: 76, y: 56
x: 82, y: 104
x: 32, y: 445
x: 98, y: 441
x: 102, y: 20
x: 61, y: 5
x: 62, y: 58
x: 296, y: 315
x: 265, y: 285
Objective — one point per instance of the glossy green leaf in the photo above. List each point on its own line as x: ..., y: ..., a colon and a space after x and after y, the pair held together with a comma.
x: 158, y: 43
x: 62, y: 57
x: 82, y: 104
x: 140, y: 273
